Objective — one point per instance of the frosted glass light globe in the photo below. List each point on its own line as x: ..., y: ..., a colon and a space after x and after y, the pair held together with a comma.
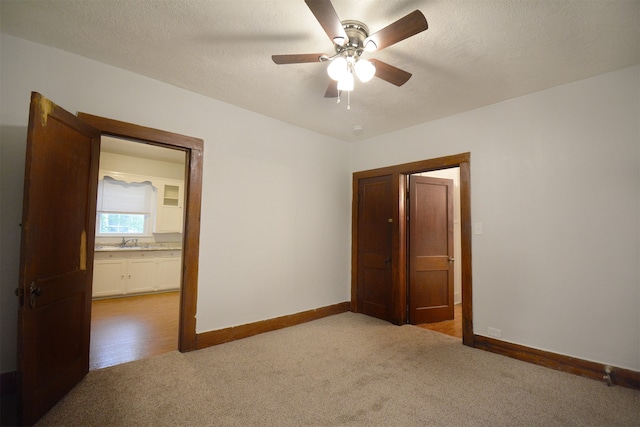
x: 337, y: 68
x: 365, y: 70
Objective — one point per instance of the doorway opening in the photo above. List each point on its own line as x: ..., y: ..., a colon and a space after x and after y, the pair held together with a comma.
x: 394, y: 286
x: 137, y: 261
x: 192, y: 150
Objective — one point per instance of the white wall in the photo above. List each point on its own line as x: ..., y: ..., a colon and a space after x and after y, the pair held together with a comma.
x: 555, y: 180
x: 275, y: 236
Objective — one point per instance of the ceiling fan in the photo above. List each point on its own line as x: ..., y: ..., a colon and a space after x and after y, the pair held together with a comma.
x: 350, y: 40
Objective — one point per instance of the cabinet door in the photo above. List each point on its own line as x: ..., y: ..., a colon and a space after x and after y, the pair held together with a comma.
x: 108, y: 277
x: 169, y: 210
x: 140, y: 274
x: 169, y: 220
x: 169, y: 271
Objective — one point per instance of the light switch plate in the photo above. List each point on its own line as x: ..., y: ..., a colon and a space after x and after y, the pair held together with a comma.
x: 477, y: 228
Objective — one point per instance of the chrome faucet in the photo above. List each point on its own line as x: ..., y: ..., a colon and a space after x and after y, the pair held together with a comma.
x: 124, y: 242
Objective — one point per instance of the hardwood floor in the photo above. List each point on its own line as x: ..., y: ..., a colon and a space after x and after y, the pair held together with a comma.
x: 449, y: 327
x: 133, y: 328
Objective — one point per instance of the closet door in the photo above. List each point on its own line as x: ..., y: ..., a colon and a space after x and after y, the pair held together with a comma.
x: 375, y: 296
x: 430, y: 249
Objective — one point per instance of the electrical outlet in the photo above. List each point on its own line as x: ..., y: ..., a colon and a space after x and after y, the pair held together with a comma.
x: 495, y: 333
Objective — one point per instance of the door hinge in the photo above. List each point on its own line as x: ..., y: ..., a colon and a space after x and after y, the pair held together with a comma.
x: 19, y: 291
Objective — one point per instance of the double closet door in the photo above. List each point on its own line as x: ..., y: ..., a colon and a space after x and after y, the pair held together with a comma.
x: 404, y: 250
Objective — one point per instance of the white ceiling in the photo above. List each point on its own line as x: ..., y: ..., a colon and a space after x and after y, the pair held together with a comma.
x: 475, y: 52
x: 125, y: 147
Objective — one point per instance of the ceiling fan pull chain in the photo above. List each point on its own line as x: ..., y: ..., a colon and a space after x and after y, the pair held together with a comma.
x: 348, y: 100
x: 339, y: 93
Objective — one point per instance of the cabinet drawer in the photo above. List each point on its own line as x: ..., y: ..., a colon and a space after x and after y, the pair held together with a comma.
x: 107, y: 255
x: 169, y: 254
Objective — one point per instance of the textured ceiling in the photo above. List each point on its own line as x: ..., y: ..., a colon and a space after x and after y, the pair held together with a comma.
x: 475, y: 52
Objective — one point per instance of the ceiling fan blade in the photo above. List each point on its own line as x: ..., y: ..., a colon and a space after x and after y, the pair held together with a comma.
x: 332, y: 90
x: 390, y: 73
x: 403, y: 28
x: 328, y: 18
x: 297, y: 58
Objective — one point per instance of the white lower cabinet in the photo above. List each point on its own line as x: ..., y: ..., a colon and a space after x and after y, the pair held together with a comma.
x: 141, y: 269
x: 169, y: 269
x: 108, y: 275
x: 122, y: 273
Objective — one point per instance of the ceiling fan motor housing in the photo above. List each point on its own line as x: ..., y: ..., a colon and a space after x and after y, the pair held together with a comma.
x: 357, y: 33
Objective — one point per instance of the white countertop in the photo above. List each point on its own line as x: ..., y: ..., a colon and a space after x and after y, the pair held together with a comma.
x: 150, y: 247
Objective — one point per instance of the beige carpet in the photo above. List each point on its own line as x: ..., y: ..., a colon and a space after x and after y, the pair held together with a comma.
x: 347, y: 369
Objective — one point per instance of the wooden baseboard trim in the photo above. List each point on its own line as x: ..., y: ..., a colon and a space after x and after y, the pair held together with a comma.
x: 211, y: 338
x: 8, y: 383
x: 619, y: 376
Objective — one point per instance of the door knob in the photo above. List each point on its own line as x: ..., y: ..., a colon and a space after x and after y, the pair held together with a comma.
x: 451, y: 259
x: 34, y: 292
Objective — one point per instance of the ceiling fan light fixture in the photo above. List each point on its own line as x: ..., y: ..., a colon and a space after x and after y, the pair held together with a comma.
x: 338, y: 68
x: 365, y: 70
x: 346, y: 82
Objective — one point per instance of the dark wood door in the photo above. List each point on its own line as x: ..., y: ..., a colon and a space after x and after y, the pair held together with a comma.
x: 375, y: 223
x: 56, y: 258
x: 430, y: 249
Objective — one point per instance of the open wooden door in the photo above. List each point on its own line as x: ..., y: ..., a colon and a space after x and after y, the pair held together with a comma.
x: 430, y: 249
x: 375, y: 223
x: 56, y: 256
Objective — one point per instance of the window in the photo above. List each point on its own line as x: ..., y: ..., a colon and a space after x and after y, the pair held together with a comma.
x: 124, y: 208
x: 120, y: 224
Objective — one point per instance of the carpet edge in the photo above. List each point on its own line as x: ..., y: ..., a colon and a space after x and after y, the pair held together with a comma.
x: 220, y: 336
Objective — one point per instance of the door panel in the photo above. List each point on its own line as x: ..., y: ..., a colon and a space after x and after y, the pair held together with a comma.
x: 430, y: 249
x: 375, y: 280
x: 56, y: 258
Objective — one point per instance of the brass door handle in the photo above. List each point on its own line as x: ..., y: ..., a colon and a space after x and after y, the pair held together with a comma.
x: 451, y: 259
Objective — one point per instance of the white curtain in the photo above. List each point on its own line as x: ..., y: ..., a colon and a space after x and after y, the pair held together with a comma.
x: 125, y: 197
